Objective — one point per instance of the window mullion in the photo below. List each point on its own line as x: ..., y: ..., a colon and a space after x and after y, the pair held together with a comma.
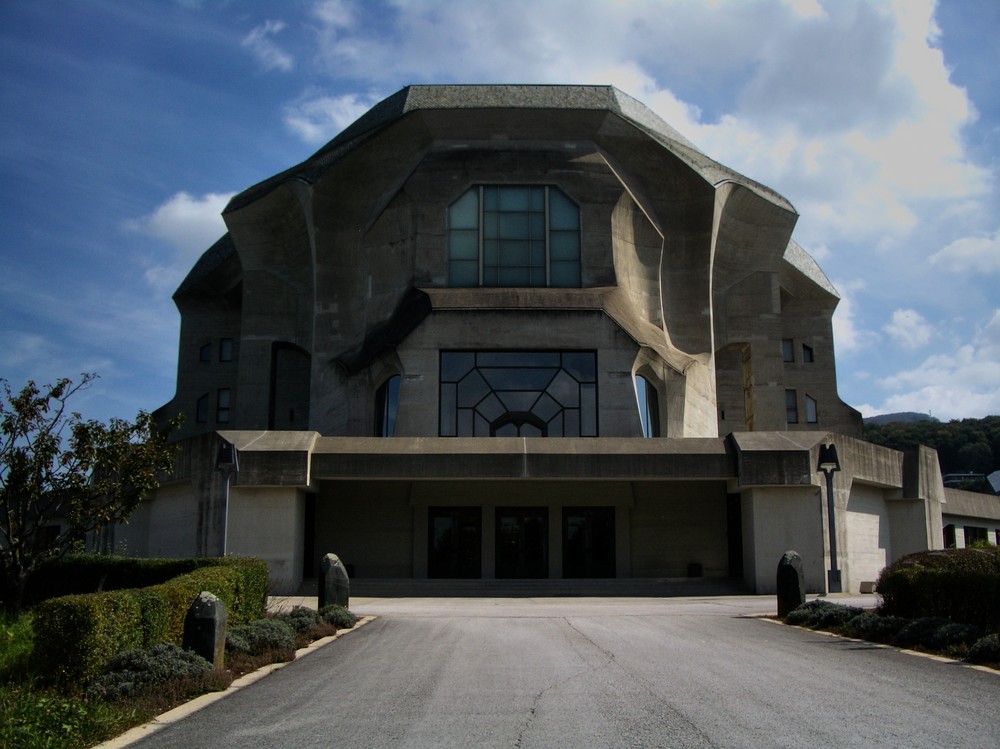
x: 481, y: 232
x: 548, y: 260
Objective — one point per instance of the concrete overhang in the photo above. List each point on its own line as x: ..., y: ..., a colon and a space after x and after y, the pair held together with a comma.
x: 271, y: 458
x: 776, y: 458
x: 302, y: 458
x: 971, y: 504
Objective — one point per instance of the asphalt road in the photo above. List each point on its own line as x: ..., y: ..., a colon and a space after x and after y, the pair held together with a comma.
x: 597, y: 673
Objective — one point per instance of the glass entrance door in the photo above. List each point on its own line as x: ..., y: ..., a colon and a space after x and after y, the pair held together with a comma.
x: 588, y: 542
x: 522, y: 542
x: 455, y: 542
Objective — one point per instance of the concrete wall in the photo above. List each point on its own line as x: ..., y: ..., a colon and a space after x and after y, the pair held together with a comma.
x: 268, y: 523
x: 867, y: 536
x: 368, y: 524
x: 776, y: 520
x: 676, y: 524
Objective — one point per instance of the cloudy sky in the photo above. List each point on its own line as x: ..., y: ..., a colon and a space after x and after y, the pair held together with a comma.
x: 127, y: 125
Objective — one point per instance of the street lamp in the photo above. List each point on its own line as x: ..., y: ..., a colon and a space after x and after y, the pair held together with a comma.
x: 227, y: 460
x: 830, y: 464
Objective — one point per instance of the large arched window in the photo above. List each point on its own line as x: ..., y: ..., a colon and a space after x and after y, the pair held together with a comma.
x: 514, y: 235
x: 649, y: 406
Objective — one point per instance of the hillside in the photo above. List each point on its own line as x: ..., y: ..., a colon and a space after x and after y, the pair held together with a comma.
x: 966, y: 445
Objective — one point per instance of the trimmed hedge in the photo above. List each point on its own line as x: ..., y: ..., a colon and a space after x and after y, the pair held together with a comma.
x: 962, y: 585
x: 76, y: 635
x: 91, y: 573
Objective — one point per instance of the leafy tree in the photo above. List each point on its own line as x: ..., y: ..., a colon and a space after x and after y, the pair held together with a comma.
x: 965, y: 445
x: 62, y: 477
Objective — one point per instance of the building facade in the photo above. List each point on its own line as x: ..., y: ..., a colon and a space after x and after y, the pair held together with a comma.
x: 521, y: 332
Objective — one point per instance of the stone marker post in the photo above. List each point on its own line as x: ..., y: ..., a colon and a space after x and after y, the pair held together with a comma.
x: 334, y: 585
x: 205, y: 628
x: 791, y: 583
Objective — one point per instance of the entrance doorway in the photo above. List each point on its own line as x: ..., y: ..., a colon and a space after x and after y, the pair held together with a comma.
x: 522, y: 542
x: 588, y: 542
x: 455, y: 542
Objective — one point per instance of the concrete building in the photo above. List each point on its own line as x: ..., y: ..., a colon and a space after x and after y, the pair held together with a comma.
x: 521, y: 332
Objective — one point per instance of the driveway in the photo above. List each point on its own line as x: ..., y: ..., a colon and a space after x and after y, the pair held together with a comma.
x: 578, y: 672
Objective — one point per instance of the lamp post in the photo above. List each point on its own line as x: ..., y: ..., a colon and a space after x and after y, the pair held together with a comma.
x: 227, y: 460
x: 829, y: 464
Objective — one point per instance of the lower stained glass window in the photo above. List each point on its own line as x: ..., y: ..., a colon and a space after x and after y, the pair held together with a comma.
x: 518, y: 394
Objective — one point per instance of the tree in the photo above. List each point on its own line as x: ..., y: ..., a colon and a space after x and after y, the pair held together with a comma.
x: 62, y: 477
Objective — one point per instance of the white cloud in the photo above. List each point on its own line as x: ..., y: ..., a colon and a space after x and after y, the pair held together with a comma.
x: 979, y: 254
x: 909, y: 328
x: 847, y: 334
x: 317, y: 118
x: 269, y: 55
x: 189, y: 223
x: 952, y: 385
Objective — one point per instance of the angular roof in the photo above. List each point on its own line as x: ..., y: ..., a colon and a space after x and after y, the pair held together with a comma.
x: 457, y: 97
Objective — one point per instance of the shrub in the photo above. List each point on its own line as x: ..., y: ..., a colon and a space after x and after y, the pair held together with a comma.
x: 985, y: 650
x: 952, y: 634
x: 300, y: 618
x: 871, y: 626
x: 136, y: 670
x: 338, y: 616
x: 921, y: 631
x: 260, y: 636
x: 17, y: 640
x: 960, y: 584
x: 77, y: 635
x: 820, y: 614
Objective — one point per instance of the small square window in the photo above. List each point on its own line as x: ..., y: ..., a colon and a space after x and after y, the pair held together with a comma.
x: 791, y: 407
x: 205, y: 352
x: 201, y: 409
x: 225, y: 349
x: 222, y: 406
x: 807, y: 354
x: 787, y: 350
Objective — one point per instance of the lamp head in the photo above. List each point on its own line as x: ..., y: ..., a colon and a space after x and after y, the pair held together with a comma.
x: 227, y: 459
x: 828, y: 461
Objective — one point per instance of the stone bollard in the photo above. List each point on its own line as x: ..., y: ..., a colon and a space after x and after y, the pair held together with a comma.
x: 334, y: 585
x: 205, y: 629
x: 791, y: 583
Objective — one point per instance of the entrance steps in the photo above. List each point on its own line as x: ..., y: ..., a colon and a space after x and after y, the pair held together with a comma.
x: 662, y: 587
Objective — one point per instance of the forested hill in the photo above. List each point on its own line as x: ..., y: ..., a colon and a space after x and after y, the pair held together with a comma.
x: 968, y: 445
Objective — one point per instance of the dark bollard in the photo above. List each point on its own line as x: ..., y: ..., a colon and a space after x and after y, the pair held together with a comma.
x: 791, y: 583
x: 334, y: 585
x: 205, y: 629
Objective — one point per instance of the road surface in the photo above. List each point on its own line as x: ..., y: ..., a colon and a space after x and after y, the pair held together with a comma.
x: 597, y: 673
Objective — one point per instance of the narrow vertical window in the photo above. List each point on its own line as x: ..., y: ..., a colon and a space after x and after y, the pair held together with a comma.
x: 201, y: 409
x: 791, y: 407
x: 807, y: 354
x: 386, y: 405
x: 225, y: 349
x: 205, y: 352
x: 222, y: 406
x: 649, y: 407
x: 812, y: 415
x: 787, y: 350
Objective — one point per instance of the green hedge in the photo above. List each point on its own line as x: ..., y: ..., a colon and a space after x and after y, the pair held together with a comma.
x: 76, y: 635
x: 91, y: 573
x: 962, y: 585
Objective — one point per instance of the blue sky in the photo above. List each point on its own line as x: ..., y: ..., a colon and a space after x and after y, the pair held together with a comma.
x: 127, y: 125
